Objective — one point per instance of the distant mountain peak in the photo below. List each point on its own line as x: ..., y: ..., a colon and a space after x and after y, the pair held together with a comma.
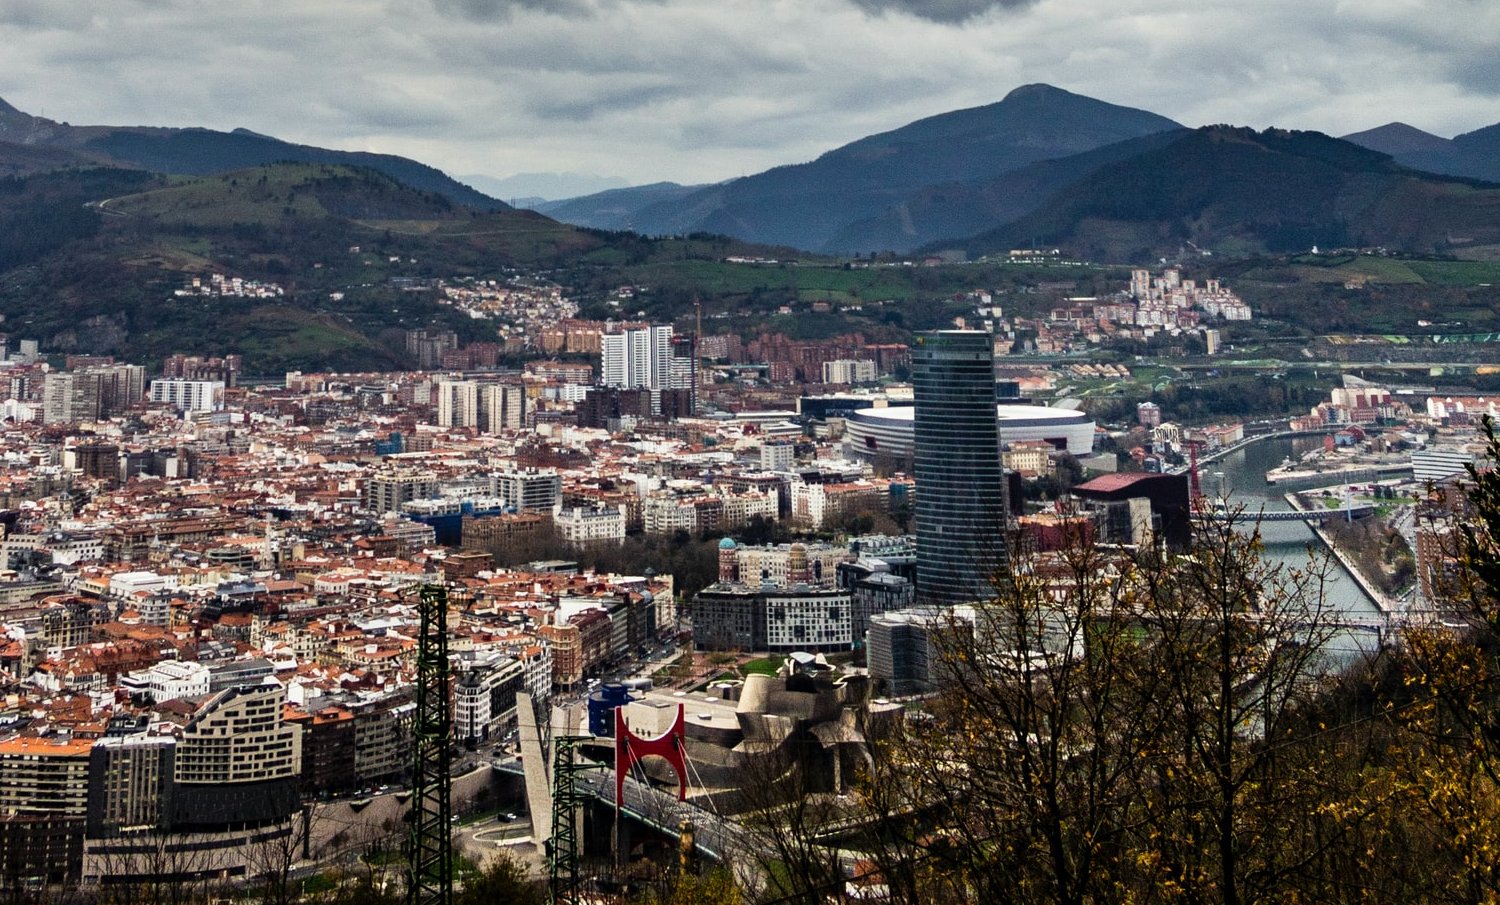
x: 1036, y: 91
x: 243, y: 131
x: 832, y: 198
x: 1397, y: 139
x: 8, y: 110
x: 1398, y: 128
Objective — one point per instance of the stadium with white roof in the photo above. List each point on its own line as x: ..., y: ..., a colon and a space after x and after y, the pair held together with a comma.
x: 887, y: 432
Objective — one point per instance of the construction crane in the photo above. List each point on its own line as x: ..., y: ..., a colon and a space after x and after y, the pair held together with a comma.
x: 1195, y: 488
x: 430, y: 845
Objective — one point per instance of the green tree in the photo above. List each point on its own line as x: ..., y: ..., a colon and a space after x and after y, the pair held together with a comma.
x: 1032, y: 748
x: 503, y: 879
x: 1236, y: 645
x: 714, y: 887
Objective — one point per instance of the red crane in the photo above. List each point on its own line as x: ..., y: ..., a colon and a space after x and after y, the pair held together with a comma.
x: 1195, y: 490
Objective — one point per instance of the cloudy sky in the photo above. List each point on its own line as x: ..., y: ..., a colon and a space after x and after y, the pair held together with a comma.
x: 701, y: 90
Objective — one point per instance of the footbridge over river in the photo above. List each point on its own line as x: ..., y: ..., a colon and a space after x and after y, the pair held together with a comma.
x: 1348, y: 513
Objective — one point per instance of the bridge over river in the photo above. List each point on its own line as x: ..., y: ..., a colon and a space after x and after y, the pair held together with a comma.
x: 1306, y: 515
x: 715, y: 837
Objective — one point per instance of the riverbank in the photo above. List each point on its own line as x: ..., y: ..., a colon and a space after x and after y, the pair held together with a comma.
x: 1213, y: 455
x: 1383, y: 601
x: 1356, y: 473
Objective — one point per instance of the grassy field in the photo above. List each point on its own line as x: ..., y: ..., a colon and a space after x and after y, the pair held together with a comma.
x: 268, y: 196
x: 1326, y: 269
x: 765, y: 666
x: 1457, y: 273
x: 723, y: 278
x: 187, y: 256
x: 1393, y: 271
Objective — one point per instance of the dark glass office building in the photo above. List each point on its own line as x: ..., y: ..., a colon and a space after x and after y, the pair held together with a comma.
x: 961, y: 502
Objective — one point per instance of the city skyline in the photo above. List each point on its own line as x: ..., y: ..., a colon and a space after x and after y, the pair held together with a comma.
x: 217, y: 616
x: 646, y: 90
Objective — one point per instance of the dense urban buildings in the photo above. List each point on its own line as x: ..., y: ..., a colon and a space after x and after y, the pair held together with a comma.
x: 205, y: 586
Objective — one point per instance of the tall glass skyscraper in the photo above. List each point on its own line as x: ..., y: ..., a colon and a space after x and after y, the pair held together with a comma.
x: 961, y: 504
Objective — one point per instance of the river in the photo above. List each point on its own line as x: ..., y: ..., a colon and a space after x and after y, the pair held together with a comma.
x: 1242, y: 475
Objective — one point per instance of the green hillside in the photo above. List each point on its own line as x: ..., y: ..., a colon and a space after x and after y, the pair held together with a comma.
x: 91, y: 259
x: 270, y: 195
x: 33, y: 143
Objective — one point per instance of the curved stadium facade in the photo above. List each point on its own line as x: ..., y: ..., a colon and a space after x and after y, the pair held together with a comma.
x: 869, y: 433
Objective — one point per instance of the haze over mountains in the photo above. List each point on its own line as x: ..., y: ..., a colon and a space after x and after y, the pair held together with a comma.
x: 542, y: 186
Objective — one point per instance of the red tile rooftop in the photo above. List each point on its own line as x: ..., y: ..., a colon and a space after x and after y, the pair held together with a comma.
x: 46, y: 746
x: 1111, y: 483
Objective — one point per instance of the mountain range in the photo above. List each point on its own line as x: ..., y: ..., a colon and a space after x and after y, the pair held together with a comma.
x: 98, y: 221
x: 1039, y: 166
x: 1475, y: 155
x: 1022, y: 171
x: 1239, y: 191
x: 34, y: 144
x: 814, y: 205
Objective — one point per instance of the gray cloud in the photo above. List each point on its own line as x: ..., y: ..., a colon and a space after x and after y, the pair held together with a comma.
x: 506, y: 10
x: 949, y: 11
x: 1478, y: 72
x: 502, y: 10
x: 697, y: 92
x: 946, y: 11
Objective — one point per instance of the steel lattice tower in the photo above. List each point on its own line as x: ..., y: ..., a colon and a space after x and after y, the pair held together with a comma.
x: 562, y: 849
x: 430, y: 847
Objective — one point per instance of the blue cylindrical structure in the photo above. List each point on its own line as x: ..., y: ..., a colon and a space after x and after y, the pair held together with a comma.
x: 602, y: 706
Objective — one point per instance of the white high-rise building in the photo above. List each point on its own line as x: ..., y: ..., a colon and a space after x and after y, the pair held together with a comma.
x: 491, y: 407
x: 530, y: 490
x: 849, y: 370
x: 69, y: 397
x: 502, y: 406
x: 457, y: 403
x: 189, y: 395
x: 637, y: 357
